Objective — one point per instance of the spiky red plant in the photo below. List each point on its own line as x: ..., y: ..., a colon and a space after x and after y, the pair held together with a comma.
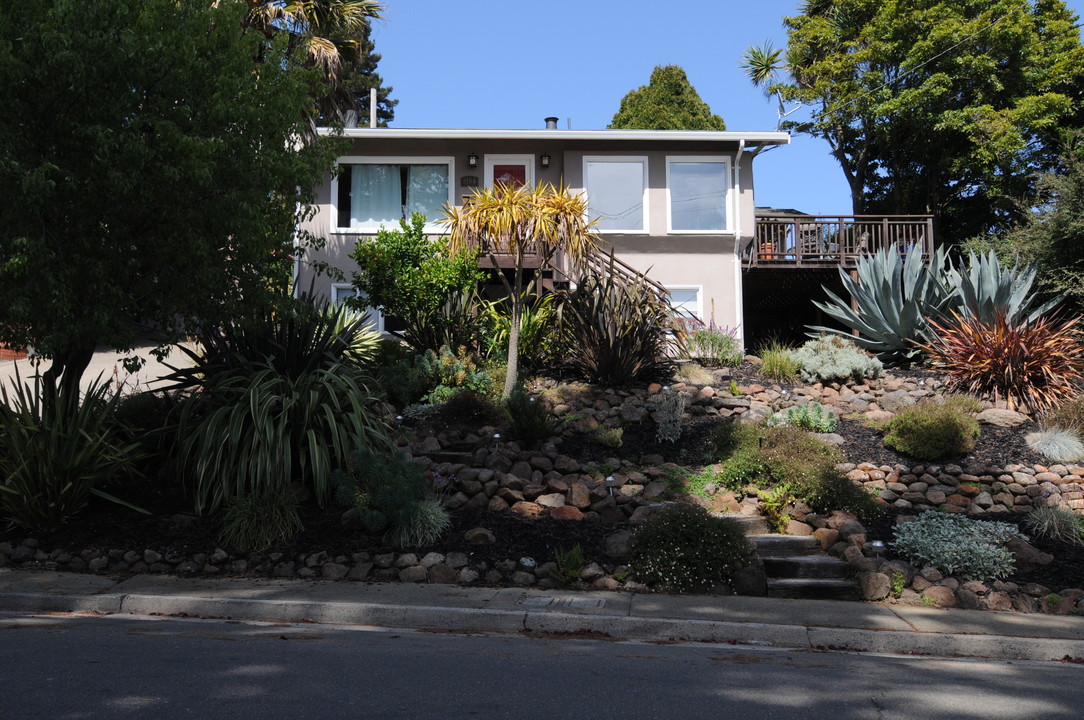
x: 1028, y: 364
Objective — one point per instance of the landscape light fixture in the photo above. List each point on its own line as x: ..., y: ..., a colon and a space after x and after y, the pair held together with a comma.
x: 544, y: 158
x: 472, y: 160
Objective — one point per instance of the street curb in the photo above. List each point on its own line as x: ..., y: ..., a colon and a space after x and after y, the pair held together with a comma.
x: 614, y: 627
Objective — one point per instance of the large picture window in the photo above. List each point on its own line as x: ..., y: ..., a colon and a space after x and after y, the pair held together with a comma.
x: 616, y: 188
x: 381, y: 192
x: 697, y: 189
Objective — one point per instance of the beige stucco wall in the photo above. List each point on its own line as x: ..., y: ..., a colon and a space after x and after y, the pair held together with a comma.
x: 706, y: 261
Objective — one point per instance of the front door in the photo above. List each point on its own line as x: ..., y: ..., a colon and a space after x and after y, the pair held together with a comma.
x: 517, y: 170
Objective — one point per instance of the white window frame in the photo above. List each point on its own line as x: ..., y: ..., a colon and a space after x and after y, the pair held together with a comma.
x: 728, y: 202
x: 431, y: 225
x: 526, y: 160
x: 374, y: 314
x: 643, y: 160
x: 699, y: 313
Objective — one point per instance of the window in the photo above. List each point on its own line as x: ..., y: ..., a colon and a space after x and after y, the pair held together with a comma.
x: 616, y: 187
x: 370, y: 193
x: 341, y: 291
x: 697, y: 189
x: 685, y: 300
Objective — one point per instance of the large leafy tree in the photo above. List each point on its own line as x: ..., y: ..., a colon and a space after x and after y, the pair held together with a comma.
x: 151, y: 169
x: 667, y: 102
x: 932, y: 106
x: 518, y: 221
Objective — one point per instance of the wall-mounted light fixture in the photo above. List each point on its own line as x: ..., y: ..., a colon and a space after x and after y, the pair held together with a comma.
x: 544, y: 158
x: 472, y: 160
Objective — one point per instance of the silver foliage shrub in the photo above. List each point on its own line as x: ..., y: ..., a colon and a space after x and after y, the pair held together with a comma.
x: 1056, y: 444
x: 835, y: 358
x: 957, y: 545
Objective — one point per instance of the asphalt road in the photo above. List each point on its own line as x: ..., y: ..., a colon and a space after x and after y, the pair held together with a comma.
x: 62, y: 667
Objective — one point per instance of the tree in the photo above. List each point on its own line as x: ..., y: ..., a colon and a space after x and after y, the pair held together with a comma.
x: 152, y: 172
x: 1053, y: 234
x: 934, y: 106
x: 406, y: 274
x: 508, y: 220
x: 358, y: 75
x: 667, y: 102
x: 331, y: 35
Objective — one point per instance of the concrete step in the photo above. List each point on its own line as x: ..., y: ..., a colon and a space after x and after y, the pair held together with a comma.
x: 752, y: 524
x: 813, y: 589
x: 812, y: 566
x: 786, y: 545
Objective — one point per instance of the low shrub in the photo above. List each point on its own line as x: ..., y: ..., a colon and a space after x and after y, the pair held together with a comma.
x: 532, y: 423
x: 568, y: 565
x: 718, y: 347
x: 766, y: 457
x: 56, y: 451
x: 693, y: 373
x: 669, y: 415
x: 258, y: 521
x: 471, y: 409
x: 1056, y: 523
x: 934, y: 430
x: 1035, y: 364
x: 451, y: 372
x: 778, y: 363
x: 831, y: 358
x: 394, y: 496
x: 1056, y: 444
x: 811, y: 416
x: 833, y: 490
x: 683, y: 549
x: 609, y: 437
x: 957, y: 545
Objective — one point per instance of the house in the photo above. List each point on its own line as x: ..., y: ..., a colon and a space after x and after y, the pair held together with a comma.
x: 675, y: 204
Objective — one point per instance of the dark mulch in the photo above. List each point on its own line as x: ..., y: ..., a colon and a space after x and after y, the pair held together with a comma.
x: 996, y: 446
x: 1066, y: 570
x: 693, y: 448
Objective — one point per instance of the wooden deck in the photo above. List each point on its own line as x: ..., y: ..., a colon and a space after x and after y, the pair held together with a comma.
x: 829, y: 241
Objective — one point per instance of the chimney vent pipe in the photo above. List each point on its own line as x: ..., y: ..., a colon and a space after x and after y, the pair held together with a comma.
x: 551, y: 123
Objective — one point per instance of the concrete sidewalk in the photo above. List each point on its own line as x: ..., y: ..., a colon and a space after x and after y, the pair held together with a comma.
x: 801, y: 624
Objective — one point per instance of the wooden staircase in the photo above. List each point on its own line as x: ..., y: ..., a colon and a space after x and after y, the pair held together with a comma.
x: 796, y: 565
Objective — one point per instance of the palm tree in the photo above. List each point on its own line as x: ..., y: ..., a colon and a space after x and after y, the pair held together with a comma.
x: 324, y: 31
x: 763, y: 65
x: 509, y: 220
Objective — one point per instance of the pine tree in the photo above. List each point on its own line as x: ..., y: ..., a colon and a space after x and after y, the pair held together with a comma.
x: 358, y: 75
x: 667, y: 102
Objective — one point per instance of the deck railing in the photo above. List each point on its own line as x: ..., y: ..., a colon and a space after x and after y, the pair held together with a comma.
x: 834, y: 240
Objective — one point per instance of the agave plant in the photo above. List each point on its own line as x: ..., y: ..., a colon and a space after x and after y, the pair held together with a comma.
x: 1030, y: 364
x: 895, y: 299
x: 986, y: 288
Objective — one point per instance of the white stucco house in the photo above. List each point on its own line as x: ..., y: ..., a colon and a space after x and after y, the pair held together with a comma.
x: 676, y: 204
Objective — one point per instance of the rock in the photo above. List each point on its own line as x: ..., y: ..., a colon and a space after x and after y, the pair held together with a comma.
x: 529, y: 509
x: 896, y: 400
x: 850, y: 527
x: 333, y: 571
x: 967, y: 599
x: 479, y: 536
x: 457, y: 560
x: 468, y: 576
x: 827, y: 537
x: 831, y: 438
x: 551, y: 500
x: 798, y: 528
x: 443, y: 573
x: 405, y: 560
x: 578, y: 495
x: 522, y: 578
x: 360, y: 571
x: 1001, y: 417
x: 874, y: 585
x: 431, y: 559
x: 284, y: 570
x: 618, y: 545
x: 1026, y: 556
x: 997, y: 601
x: 413, y: 574
x: 566, y: 512
x: 939, y: 596
x: 384, y: 560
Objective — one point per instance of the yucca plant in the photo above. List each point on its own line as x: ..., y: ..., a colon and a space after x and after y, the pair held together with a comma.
x: 894, y: 298
x: 256, y: 433
x: 616, y: 331
x: 56, y: 451
x: 1033, y: 364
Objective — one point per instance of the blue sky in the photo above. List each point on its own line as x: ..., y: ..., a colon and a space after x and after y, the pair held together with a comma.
x: 511, y: 63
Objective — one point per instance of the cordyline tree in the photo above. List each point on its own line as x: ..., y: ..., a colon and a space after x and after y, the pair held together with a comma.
x: 932, y: 106
x: 151, y: 171
x: 667, y: 102
x: 518, y: 221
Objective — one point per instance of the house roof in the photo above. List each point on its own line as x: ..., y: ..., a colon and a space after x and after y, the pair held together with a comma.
x: 631, y: 136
